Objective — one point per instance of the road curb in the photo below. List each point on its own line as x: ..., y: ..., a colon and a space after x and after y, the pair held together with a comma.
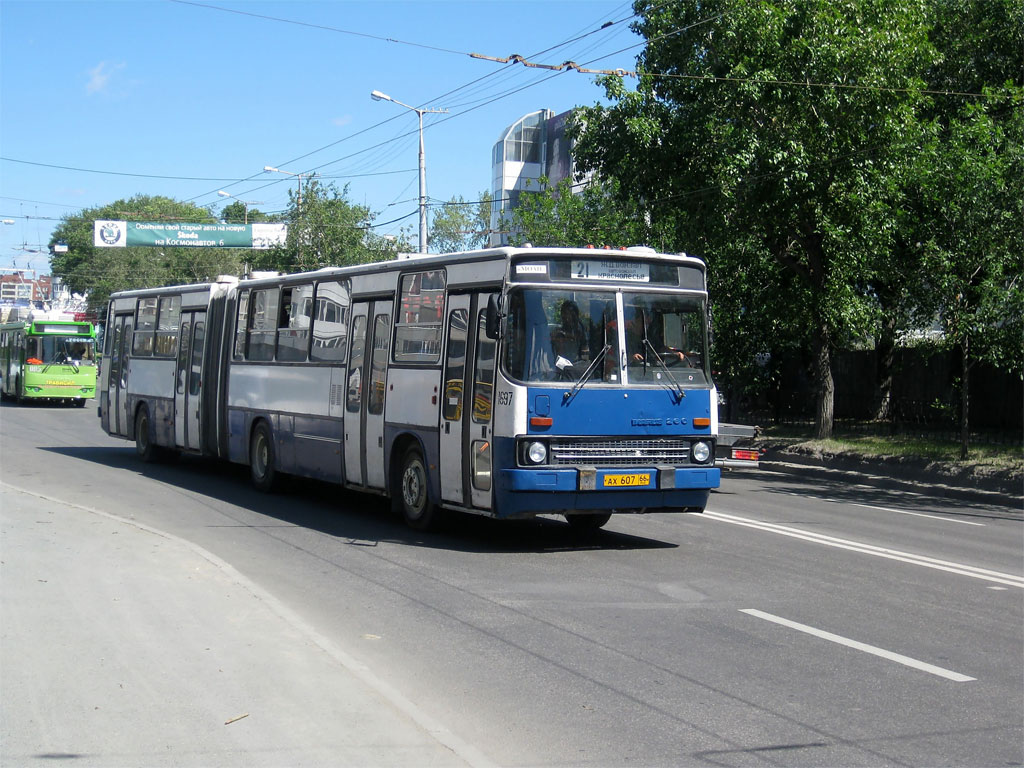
x: 931, y: 486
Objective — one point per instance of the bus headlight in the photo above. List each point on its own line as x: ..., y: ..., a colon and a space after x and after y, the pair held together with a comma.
x: 535, y: 452
x: 700, y: 451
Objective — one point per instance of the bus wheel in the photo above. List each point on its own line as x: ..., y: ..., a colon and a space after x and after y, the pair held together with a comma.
x: 143, y: 439
x: 412, y: 494
x: 261, y: 459
x: 80, y: 403
x: 584, y: 523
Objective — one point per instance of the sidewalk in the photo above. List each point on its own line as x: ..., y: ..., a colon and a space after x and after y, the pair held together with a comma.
x: 121, y: 645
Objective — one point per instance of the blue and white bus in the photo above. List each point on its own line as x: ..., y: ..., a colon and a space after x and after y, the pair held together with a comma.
x: 508, y: 382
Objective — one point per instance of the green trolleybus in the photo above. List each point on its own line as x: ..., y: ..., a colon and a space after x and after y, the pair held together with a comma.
x: 48, y: 360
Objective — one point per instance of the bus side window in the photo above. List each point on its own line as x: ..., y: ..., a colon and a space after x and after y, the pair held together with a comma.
x: 455, y: 365
x: 330, y: 323
x: 182, y: 358
x: 418, y: 317
x: 379, y: 363
x: 241, y: 325
x: 145, y: 327
x: 293, y: 325
x: 483, y: 379
x: 262, y: 325
x: 168, y: 319
x: 355, y: 365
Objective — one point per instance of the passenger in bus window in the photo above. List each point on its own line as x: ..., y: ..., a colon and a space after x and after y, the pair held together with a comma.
x: 569, y: 339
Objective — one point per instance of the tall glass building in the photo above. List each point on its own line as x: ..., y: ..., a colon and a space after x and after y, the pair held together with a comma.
x: 533, y: 146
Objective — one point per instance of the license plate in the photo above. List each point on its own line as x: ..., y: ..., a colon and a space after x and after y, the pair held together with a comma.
x: 620, y: 481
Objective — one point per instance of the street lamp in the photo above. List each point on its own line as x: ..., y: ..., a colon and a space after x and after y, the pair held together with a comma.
x: 378, y: 96
x: 222, y: 193
x: 272, y: 169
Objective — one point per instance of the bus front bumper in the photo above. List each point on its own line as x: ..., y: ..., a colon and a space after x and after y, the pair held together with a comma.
x: 528, y: 492
x: 610, y: 480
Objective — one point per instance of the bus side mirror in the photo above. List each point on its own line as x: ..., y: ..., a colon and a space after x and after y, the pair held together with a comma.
x: 493, y: 318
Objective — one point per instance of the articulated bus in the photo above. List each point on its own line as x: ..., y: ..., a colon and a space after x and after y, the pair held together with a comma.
x: 48, y: 360
x: 509, y: 382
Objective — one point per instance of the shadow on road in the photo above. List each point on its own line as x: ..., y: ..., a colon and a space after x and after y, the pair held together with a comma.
x: 925, y: 500
x: 362, y: 519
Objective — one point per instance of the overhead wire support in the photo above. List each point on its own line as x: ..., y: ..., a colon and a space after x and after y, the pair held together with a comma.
x: 515, y: 58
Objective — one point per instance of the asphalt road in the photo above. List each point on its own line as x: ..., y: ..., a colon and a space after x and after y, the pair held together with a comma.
x: 797, y: 622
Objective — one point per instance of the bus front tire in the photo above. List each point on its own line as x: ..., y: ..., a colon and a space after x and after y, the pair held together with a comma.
x: 585, y: 523
x: 413, y: 494
x: 261, y: 459
x: 143, y: 439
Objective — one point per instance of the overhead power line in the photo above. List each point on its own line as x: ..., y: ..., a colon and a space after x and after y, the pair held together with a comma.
x: 317, y: 26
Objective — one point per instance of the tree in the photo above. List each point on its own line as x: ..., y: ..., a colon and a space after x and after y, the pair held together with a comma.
x: 237, y: 213
x: 773, y: 125
x: 562, y: 216
x: 99, y: 272
x: 459, y: 226
x: 974, y: 252
x: 325, y: 230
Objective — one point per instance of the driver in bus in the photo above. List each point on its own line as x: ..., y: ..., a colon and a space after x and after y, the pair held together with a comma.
x: 639, y: 332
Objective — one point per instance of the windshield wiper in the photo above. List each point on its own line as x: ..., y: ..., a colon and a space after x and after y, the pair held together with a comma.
x: 680, y: 394
x: 68, y: 360
x: 586, y: 374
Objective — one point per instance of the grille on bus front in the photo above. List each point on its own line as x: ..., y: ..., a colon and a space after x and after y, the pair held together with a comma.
x: 620, y: 453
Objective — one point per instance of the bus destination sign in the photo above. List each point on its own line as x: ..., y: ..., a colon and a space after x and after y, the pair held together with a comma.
x: 621, y: 271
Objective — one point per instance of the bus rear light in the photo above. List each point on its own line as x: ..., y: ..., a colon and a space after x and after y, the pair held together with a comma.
x: 702, y: 421
x: 541, y: 421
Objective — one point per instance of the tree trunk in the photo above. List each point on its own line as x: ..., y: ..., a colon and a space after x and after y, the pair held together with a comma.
x: 826, y: 389
x: 885, y: 359
x: 964, y: 400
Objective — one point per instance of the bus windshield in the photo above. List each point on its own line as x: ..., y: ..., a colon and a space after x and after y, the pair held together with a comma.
x: 62, y: 349
x: 557, y: 335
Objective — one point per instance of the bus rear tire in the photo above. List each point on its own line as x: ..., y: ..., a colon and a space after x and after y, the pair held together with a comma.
x: 413, y: 495
x: 587, y: 523
x: 261, y: 459
x: 144, y: 446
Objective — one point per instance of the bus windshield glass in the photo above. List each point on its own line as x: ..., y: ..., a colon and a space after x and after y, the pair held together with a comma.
x: 557, y: 335
x: 62, y: 349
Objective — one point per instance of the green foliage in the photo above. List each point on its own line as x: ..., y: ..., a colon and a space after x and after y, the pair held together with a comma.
x: 461, y: 226
x: 101, y: 271
x: 325, y: 230
x: 590, y: 216
x: 235, y: 213
x: 780, y: 141
x: 973, y: 250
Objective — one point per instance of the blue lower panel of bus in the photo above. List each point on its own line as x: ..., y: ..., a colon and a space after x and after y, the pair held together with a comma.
x: 532, y: 491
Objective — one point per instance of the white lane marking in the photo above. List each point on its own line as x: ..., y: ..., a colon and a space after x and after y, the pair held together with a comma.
x: 876, y: 651
x: 961, y: 569
x: 920, y: 514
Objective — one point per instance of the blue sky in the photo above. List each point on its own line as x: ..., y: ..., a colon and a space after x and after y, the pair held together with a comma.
x: 100, y: 101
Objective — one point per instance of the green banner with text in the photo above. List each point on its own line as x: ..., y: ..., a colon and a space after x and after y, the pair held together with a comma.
x: 121, y: 234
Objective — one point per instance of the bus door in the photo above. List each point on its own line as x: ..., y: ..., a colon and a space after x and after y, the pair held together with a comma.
x: 188, y: 379
x: 465, y: 455
x: 364, y: 393
x: 117, y: 375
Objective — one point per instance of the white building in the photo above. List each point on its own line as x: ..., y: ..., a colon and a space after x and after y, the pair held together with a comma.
x: 535, y: 145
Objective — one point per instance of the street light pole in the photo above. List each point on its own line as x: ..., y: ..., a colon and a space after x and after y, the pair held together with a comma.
x: 378, y: 96
x: 222, y: 193
x: 272, y: 169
